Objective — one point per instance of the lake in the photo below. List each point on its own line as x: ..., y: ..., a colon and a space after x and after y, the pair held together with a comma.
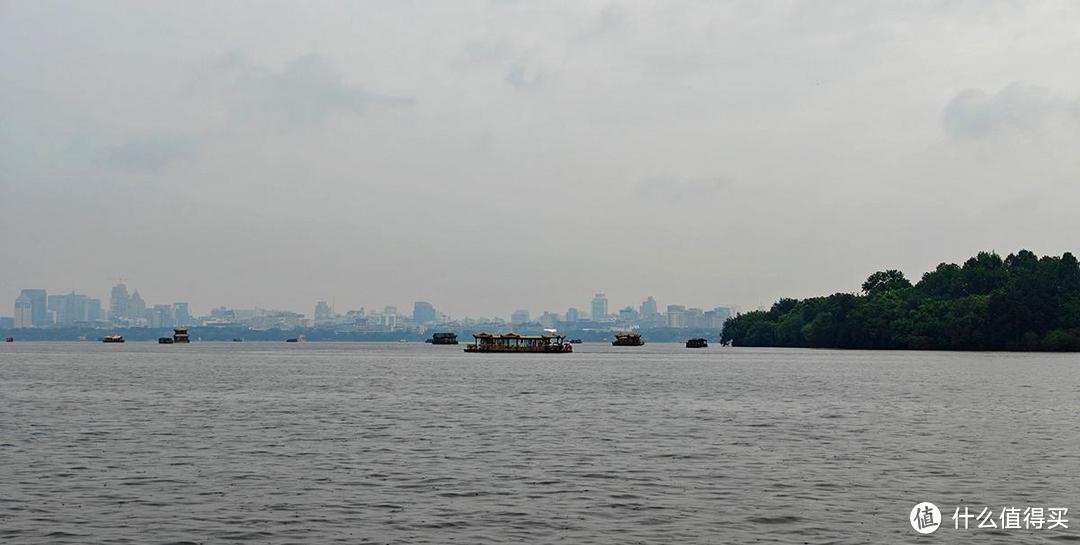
x: 413, y: 443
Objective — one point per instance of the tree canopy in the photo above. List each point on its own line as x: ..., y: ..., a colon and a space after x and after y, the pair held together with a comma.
x: 1022, y: 302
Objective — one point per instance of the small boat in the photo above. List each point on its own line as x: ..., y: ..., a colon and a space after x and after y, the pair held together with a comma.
x: 300, y: 339
x: 627, y: 339
x: 112, y: 339
x: 575, y: 341
x: 180, y: 335
x: 165, y: 340
x: 443, y: 338
x: 512, y: 342
x: 697, y: 343
x: 238, y: 340
x: 9, y: 339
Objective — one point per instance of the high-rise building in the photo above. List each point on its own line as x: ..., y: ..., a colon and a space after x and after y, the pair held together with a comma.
x: 182, y: 314
x: 648, y: 308
x: 572, y: 315
x: 161, y: 316
x: 599, y: 308
x: 93, y: 310
x: 118, y: 303
x: 24, y: 312
x: 520, y: 316
x: 136, y: 307
x: 715, y: 318
x: 676, y: 316
x: 39, y: 309
x: 68, y: 308
x: 322, y: 312
x: 548, y: 319
x: 628, y: 314
x: 423, y: 312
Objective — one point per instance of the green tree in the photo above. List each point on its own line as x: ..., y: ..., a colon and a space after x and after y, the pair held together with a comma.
x: 883, y: 281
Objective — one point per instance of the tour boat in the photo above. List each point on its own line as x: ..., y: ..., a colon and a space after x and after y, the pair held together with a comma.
x: 443, y: 338
x: 627, y: 339
x: 180, y: 335
x: 112, y: 339
x: 513, y: 342
x: 697, y: 343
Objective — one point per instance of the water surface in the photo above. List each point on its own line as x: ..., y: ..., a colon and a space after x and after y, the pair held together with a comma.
x: 409, y: 443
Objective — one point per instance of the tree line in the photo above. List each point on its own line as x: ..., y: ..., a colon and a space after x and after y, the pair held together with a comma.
x: 1021, y: 302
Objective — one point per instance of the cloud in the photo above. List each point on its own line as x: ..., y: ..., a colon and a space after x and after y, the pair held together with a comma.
x: 670, y: 189
x: 306, y: 92
x: 151, y: 152
x: 974, y: 113
x: 520, y: 76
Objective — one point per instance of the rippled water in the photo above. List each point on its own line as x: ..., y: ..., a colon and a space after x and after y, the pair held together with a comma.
x: 393, y: 443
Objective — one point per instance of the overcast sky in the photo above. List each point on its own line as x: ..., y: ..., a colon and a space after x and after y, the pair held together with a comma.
x: 493, y: 155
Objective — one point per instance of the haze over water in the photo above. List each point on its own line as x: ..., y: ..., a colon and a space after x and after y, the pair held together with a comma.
x: 407, y: 443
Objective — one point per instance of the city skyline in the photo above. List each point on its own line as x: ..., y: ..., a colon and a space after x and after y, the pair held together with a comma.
x: 33, y: 305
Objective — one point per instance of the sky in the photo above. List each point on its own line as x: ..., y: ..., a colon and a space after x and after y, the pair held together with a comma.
x: 493, y: 155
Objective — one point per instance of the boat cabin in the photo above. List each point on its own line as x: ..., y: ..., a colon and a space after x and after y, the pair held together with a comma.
x: 513, y: 342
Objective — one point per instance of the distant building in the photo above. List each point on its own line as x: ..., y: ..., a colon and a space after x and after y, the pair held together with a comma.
x: 424, y: 312
x: 628, y: 314
x: 676, y: 316
x: 71, y: 308
x: 136, y: 307
x: 716, y: 317
x: 695, y: 317
x: 182, y: 314
x: 548, y: 319
x: 323, y: 313
x: 118, y: 303
x: 24, y: 312
x: 648, y: 308
x: 572, y: 315
x: 39, y: 310
x: 93, y: 310
x: 519, y: 317
x: 161, y: 316
x: 599, y: 308
x: 390, y: 317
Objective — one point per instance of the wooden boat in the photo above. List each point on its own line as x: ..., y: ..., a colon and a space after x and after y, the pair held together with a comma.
x: 112, y: 339
x: 627, y: 339
x: 443, y: 338
x: 180, y: 335
x: 512, y: 342
x: 697, y: 343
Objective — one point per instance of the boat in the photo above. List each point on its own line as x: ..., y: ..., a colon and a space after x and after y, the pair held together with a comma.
x: 575, y: 341
x: 513, y: 342
x: 165, y: 340
x: 112, y: 339
x: 9, y: 339
x: 627, y: 339
x: 697, y: 343
x: 300, y: 339
x: 180, y: 335
x: 443, y: 338
x: 238, y: 340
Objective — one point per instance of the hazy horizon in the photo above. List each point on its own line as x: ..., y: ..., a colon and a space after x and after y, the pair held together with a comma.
x: 494, y: 155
